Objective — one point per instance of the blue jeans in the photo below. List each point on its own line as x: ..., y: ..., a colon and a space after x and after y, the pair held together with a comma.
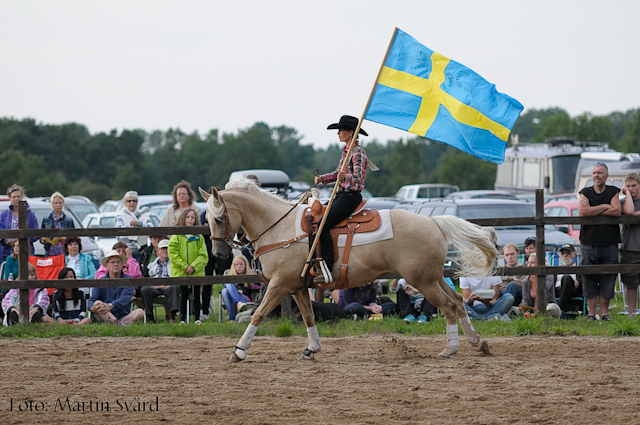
x: 231, y: 298
x: 357, y: 308
x: 483, y: 312
x: 513, y: 289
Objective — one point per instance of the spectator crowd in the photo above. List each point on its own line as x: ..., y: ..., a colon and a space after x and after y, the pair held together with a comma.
x: 488, y: 298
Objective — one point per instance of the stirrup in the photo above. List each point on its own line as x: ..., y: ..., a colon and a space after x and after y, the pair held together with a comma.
x: 326, y: 277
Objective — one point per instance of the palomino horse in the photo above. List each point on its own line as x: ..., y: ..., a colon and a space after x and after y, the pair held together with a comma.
x: 416, y: 252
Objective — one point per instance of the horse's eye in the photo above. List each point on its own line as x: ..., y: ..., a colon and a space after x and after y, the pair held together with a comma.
x: 218, y: 221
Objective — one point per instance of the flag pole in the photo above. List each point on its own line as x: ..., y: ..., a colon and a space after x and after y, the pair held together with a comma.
x: 347, y: 159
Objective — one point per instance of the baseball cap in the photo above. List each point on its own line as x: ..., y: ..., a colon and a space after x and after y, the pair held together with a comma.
x: 163, y: 243
x: 567, y: 247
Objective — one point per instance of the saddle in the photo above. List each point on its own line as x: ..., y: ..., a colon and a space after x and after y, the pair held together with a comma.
x: 361, y: 221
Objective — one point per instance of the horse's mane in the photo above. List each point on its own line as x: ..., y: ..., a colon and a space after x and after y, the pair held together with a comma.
x: 248, y: 186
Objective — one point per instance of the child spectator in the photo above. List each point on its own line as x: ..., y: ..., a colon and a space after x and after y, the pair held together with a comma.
x: 188, y: 256
x: 235, y: 299
x: 69, y: 304
x: 11, y: 267
x: 38, y: 303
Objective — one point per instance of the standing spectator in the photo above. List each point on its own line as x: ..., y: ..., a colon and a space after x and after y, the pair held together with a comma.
x: 56, y: 220
x: 512, y: 284
x: 479, y: 308
x: 82, y: 264
x: 411, y: 302
x: 160, y: 268
x: 188, y: 255
x: 630, y: 248
x: 215, y: 266
x: 599, y: 243
x: 183, y: 198
x: 530, y: 287
x: 570, y: 286
x: 131, y: 216
x: 9, y: 218
x: 69, y: 304
x: 38, y: 303
x: 11, y: 268
x: 149, y: 253
x: 113, y: 304
x: 233, y: 294
x: 363, y: 301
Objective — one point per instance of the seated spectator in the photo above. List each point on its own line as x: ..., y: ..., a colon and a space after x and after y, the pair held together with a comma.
x: 11, y: 269
x: 234, y: 298
x: 363, y: 301
x: 530, y: 288
x: 411, y: 302
x: 38, y: 303
x: 479, y: 308
x: 131, y: 216
x: 113, y: 304
x: 569, y: 286
x: 512, y: 284
x: 160, y: 268
x: 56, y: 220
x: 69, y: 304
x: 149, y: 253
x: 529, y: 248
x: 9, y: 219
x: 131, y: 266
x: 82, y: 264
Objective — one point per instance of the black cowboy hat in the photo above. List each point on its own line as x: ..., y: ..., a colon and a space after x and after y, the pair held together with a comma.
x: 347, y: 122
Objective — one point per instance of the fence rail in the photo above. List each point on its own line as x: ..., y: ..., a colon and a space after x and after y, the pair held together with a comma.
x: 539, y: 221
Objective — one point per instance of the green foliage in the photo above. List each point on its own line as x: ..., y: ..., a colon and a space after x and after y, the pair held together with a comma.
x: 466, y: 171
x: 625, y: 327
x: 284, y: 329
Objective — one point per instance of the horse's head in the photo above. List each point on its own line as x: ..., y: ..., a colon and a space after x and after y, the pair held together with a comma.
x: 219, y: 225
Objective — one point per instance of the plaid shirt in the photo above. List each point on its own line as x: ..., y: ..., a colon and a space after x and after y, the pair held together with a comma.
x: 356, y: 170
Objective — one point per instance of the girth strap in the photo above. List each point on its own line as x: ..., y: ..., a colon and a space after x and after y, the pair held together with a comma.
x: 343, y: 283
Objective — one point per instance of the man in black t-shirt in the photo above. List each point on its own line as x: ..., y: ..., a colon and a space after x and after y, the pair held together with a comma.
x: 599, y: 243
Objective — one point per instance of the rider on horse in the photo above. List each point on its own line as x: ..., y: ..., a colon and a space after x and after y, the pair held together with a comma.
x: 348, y: 196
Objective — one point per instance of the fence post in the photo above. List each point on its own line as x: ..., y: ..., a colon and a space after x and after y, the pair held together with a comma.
x: 286, y: 312
x: 541, y: 291
x: 23, y: 263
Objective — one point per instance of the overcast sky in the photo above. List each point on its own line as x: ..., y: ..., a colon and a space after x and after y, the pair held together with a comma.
x: 199, y: 65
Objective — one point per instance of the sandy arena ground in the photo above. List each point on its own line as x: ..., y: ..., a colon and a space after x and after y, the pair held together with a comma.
x: 373, y: 380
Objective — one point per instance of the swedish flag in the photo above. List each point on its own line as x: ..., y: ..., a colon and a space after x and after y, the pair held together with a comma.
x: 425, y: 93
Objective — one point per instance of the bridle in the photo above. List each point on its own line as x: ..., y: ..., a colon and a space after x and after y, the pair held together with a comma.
x: 228, y: 237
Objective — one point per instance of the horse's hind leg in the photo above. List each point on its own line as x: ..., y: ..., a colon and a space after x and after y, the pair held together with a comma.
x: 467, y: 328
x: 441, y: 300
x: 275, y: 293
x: 304, y: 303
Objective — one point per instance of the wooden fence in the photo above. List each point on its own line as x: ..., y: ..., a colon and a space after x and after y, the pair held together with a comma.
x: 23, y: 233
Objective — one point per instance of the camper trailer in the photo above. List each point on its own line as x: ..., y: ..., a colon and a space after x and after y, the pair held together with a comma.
x: 551, y: 165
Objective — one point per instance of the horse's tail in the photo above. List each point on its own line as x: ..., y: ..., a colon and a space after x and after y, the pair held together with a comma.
x: 476, y: 250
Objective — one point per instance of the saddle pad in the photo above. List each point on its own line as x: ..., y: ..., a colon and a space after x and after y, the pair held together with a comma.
x: 382, y: 234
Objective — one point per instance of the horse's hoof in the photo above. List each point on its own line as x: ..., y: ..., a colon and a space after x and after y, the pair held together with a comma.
x: 237, y: 355
x: 307, y: 355
x: 446, y: 353
x: 484, y: 347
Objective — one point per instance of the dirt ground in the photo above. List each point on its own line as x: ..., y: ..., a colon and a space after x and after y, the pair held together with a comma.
x: 371, y: 380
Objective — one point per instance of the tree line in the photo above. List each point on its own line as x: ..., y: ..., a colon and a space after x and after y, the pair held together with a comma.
x: 44, y: 158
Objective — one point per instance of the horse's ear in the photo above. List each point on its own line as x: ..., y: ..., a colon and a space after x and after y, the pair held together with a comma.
x: 205, y: 195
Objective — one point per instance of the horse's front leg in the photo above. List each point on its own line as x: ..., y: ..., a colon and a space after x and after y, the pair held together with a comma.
x: 274, y: 295
x: 304, y: 303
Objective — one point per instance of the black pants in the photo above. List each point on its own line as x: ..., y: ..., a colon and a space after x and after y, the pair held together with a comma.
x: 405, y: 307
x: 185, y: 292
x: 344, y: 204
x: 568, y: 291
x: 148, y: 293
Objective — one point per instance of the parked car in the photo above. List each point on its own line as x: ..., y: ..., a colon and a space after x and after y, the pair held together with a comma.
x: 498, y: 208
x: 425, y: 190
x: 146, y: 201
x: 42, y: 209
x: 531, y: 197
x: 296, y: 189
x: 481, y: 194
x: 108, y: 206
x: 275, y: 180
x: 382, y: 203
x: 572, y: 196
x: 326, y: 190
x: 79, y: 205
x: 107, y: 220
x: 565, y: 209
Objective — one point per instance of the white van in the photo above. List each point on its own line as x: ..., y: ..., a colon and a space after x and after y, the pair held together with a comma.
x: 425, y: 191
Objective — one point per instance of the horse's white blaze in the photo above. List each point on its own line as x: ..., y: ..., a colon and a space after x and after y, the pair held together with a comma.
x: 314, y: 339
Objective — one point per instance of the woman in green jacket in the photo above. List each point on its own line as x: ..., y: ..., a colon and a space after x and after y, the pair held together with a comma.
x: 188, y: 257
